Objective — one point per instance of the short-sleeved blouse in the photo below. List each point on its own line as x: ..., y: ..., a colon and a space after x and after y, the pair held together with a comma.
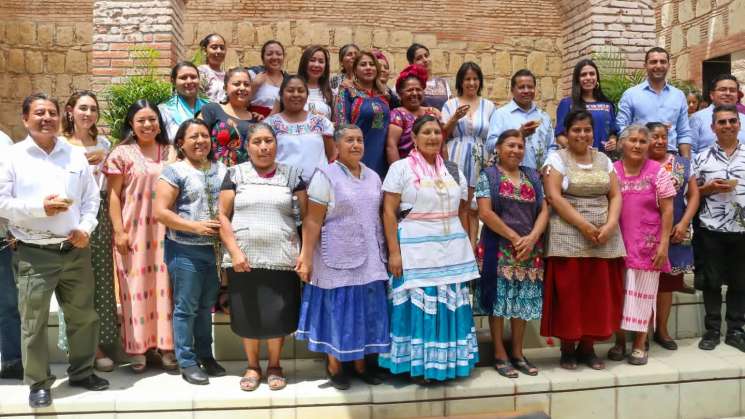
x: 197, y: 196
x: 301, y: 144
x: 228, y: 134
x: 554, y: 160
x: 212, y: 83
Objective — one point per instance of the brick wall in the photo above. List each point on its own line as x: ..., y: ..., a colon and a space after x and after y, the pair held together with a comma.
x: 44, y: 55
x: 696, y: 30
x: 500, y: 42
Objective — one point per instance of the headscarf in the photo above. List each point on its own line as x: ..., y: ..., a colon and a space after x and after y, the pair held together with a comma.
x: 412, y: 70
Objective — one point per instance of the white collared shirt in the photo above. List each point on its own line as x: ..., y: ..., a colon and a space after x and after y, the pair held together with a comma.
x: 28, y: 175
x: 5, y: 143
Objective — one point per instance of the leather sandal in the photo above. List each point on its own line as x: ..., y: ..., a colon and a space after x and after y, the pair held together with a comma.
x: 275, y: 378
x: 250, y: 382
x: 568, y: 360
x: 504, y: 368
x: 638, y: 357
x: 524, y: 366
x: 591, y: 360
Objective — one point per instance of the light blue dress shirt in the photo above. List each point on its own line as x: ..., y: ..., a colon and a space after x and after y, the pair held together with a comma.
x: 702, y: 136
x: 512, y: 116
x: 641, y: 104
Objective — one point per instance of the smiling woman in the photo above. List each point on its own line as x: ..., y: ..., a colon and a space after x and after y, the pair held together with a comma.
x: 211, y: 74
x: 185, y: 103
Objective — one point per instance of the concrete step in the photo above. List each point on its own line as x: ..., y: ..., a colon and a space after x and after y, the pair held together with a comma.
x: 688, y: 383
x: 686, y: 321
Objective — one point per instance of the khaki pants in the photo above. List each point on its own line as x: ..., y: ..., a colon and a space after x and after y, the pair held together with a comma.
x: 42, y: 272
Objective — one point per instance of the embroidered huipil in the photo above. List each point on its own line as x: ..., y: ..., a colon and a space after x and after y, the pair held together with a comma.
x: 263, y: 220
x: 352, y: 249
x: 640, y: 221
x: 435, y: 249
x: 681, y: 254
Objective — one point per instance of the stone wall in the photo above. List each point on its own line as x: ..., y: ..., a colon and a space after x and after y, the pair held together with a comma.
x: 696, y: 30
x: 498, y: 38
x: 50, y: 56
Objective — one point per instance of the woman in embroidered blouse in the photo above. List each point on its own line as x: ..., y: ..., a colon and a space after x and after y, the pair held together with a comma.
x: 344, y: 311
x: 587, y: 94
x: 685, y: 206
x: 185, y: 103
x: 186, y: 202
x: 261, y: 202
x: 437, y: 90
x: 211, y: 74
x: 132, y: 171
x: 304, y: 139
x: 229, y: 121
x: 583, y: 295
x: 314, y: 68
x: 432, y: 331
x: 79, y: 129
x: 345, y: 77
x: 267, y: 78
x: 365, y: 104
x: 466, y: 120
x: 511, y: 205
x: 646, y: 221
x: 410, y: 87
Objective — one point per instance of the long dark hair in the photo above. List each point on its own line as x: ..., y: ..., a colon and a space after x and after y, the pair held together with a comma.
x: 597, y: 92
x: 323, y: 82
x: 128, y: 135
x: 178, y: 139
x: 179, y: 65
x: 68, y: 123
x: 229, y: 74
x: 461, y: 75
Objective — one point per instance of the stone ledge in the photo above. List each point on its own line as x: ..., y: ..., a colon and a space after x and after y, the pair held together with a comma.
x: 687, y: 383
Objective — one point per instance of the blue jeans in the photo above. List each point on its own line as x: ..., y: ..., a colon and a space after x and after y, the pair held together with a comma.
x: 10, y: 320
x: 195, y: 285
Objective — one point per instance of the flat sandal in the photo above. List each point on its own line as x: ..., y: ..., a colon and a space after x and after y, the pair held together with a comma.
x: 275, y: 378
x: 250, y: 383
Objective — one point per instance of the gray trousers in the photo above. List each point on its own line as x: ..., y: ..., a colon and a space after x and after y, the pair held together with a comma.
x: 42, y: 272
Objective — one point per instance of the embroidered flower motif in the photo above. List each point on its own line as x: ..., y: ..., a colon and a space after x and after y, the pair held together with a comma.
x: 526, y: 192
x: 506, y: 188
x: 223, y: 137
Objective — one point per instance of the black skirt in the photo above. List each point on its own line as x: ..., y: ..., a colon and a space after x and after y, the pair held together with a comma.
x: 264, y: 303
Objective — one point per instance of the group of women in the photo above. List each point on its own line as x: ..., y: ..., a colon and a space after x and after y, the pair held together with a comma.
x: 360, y: 235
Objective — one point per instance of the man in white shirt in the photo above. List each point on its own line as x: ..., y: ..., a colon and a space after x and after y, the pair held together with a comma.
x: 10, y: 321
x: 50, y: 198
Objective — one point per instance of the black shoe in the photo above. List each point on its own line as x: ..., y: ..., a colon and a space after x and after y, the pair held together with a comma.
x: 339, y: 381
x: 12, y: 371
x: 195, y: 375
x: 368, y: 377
x: 91, y: 382
x: 709, y: 341
x: 40, y: 398
x: 668, y: 344
x: 736, y: 340
x: 212, y: 368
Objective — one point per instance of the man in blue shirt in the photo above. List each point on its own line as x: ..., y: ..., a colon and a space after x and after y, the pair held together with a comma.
x: 523, y: 114
x: 654, y: 100
x: 723, y: 91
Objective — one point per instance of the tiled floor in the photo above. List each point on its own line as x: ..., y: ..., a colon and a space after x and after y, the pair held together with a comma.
x: 687, y: 383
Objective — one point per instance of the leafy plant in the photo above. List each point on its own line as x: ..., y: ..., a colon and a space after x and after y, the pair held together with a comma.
x: 145, y: 83
x: 616, y: 78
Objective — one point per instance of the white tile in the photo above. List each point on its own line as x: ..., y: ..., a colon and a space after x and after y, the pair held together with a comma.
x: 313, y: 388
x: 700, y: 365
x: 585, y: 404
x: 654, y: 372
x: 648, y: 402
x: 408, y: 410
x: 689, y: 321
x: 335, y: 412
x: 532, y: 384
x: 234, y: 413
x: 482, y: 382
x: 399, y: 389
x: 529, y: 403
x: 581, y: 378
x: 710, y: 399
x: 155, y: 415
x: 503, y: 404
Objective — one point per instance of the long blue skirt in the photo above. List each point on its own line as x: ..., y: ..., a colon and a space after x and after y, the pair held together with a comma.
x: 346, y: 322
x: 432, y: 332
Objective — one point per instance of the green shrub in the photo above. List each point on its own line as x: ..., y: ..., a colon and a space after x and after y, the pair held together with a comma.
x: 144, y: 84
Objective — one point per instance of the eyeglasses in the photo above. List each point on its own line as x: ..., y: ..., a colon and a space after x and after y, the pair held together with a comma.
x: 724, y: 122
x: 726, y: 90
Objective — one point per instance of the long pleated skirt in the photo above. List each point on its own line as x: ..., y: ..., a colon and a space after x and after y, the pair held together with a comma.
x: 346, y: 322
x: 432, y: 332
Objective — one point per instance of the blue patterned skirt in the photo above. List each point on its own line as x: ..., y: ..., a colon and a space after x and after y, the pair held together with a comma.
x: 514, y: 299
x: 346, y: 322
x: 432, y: 332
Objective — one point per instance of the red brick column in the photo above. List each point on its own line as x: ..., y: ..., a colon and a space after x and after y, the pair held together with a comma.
x: 119, y: 25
